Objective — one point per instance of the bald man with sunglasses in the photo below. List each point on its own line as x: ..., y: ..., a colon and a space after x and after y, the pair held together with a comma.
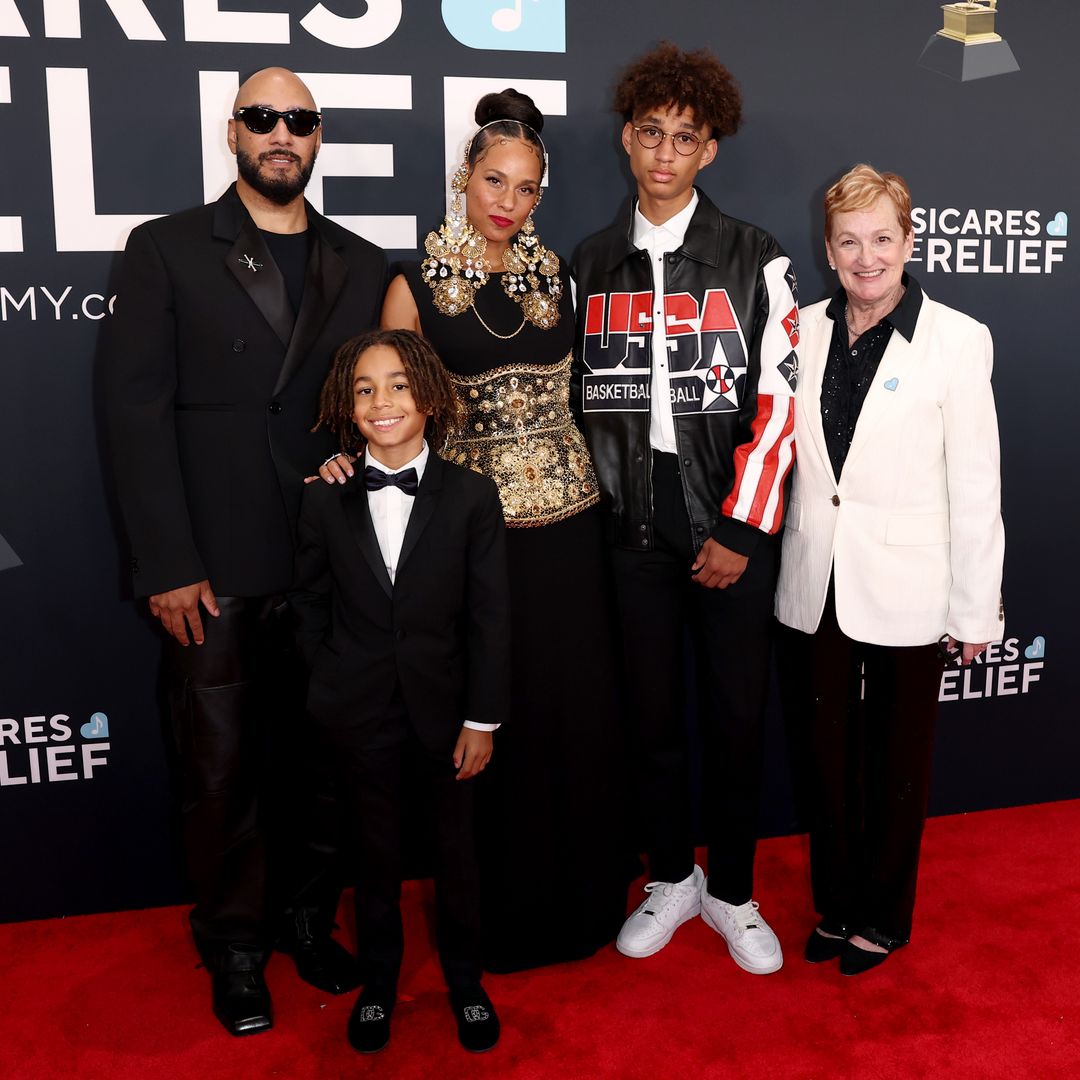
x: 226, y: 319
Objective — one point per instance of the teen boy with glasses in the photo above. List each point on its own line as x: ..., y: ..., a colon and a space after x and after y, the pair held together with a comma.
x: 226, y: 320
x: 685, y: 377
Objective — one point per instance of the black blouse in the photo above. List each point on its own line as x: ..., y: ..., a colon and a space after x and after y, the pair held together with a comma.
x: 850, y: 369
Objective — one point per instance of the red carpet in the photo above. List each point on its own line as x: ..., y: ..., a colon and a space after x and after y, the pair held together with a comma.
x: 990, y: 987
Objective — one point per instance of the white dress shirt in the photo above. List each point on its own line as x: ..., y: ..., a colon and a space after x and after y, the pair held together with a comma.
x: 658, y: 240
x: 390, y: 510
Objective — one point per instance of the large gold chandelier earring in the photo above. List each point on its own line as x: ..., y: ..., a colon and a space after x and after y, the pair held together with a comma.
x: 527, y: 261
x: 455, y: 267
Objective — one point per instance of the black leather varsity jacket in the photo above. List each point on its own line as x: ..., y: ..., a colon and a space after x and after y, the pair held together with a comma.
x: 732, y: 331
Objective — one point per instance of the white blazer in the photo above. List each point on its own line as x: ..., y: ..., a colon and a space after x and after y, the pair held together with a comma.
x: 912, y: 531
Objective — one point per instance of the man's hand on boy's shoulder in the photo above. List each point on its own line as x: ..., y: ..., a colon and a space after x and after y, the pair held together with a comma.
x: 334, y: 470
x: 472, y: 752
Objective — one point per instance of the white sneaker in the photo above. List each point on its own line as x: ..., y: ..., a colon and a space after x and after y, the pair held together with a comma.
x: 668, y: 905
x: 750, y: 939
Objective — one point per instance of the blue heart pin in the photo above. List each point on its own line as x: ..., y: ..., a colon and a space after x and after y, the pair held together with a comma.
x: 892, y: 384
x: 1037, y: 649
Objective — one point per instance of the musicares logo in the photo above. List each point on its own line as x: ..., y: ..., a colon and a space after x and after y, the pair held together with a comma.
x: 42, y: 749
x: 1004, y: 669
x: 958, y: 241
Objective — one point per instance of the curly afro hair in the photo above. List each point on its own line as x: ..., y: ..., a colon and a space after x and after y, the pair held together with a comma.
x: 668, y: 76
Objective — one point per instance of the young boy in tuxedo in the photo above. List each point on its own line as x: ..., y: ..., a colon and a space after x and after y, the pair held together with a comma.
x: 402, y: 600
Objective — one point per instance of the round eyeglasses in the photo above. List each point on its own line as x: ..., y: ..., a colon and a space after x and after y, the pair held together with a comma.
x: 650, y: 137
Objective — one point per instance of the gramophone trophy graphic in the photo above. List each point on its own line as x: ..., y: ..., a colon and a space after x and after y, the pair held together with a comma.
x: 968, y: 46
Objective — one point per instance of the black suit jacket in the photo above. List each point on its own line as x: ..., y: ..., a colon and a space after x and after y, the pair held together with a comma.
x: 211, y: 388
x: 441, y: 631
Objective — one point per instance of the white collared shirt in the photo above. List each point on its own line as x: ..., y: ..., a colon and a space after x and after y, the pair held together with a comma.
x: 658, y: 240
x: 390, y: 510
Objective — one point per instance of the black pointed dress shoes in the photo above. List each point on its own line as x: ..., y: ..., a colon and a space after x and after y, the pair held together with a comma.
x: 320, y: 960
x: 826, y: 941
x: 854, y: 961
x: 240, y: 995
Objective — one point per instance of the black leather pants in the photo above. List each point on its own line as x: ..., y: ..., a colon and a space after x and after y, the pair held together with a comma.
x: 236, y: 704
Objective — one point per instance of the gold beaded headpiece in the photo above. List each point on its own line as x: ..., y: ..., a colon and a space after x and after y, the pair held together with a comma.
x: 456, y: 268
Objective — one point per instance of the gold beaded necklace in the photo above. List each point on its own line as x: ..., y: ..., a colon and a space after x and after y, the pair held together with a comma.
x: 493, y: 333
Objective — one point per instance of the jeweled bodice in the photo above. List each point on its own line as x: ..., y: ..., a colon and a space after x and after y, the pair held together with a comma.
x: 519, y: 431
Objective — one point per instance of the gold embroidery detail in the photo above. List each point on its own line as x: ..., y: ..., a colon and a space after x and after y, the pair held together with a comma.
x: 530, y: 445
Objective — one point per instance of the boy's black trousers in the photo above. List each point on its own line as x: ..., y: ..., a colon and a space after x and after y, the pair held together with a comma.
x: 660, y: 608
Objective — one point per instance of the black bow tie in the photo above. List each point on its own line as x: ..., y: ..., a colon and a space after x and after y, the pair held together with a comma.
x: 376, y: 480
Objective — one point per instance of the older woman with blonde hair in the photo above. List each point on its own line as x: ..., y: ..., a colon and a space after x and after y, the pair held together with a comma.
x: 892, y: 559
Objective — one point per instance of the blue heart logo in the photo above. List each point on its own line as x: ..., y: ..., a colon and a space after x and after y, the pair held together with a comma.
x: 1059, y: 226
x: 528, y: 25
x: 1037, y: 649
x: 892, y: 383
x: 97, y: 728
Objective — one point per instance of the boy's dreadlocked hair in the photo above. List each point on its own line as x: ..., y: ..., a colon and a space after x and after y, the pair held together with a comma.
x: 686, y: 80
x: 429, y: 382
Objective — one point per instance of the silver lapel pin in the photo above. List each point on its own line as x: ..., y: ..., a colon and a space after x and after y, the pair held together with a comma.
x: 250, y: 263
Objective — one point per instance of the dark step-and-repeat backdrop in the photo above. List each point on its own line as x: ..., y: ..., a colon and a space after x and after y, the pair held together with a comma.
x: 113, y: 111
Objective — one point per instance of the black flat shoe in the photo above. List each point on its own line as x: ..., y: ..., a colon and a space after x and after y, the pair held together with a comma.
x: 369, y: 1024
x: 320, y: 960
x: 477, y: 1022
x: 240, y: 995
x: 854, y: 961
x: 820, y: 947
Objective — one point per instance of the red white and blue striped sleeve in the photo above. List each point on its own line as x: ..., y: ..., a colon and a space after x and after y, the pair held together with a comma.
x: 762, y: 463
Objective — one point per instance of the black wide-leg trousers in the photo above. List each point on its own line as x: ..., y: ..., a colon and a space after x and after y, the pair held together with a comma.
x: 862, y: 717
x: 730, y: 630
x: 251, y: 790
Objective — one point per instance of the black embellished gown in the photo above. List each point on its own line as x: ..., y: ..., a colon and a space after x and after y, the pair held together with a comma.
x: 555, y: 849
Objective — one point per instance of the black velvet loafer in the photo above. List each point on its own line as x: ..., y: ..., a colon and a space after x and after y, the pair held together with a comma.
x: 369, y: 1024
x: 240, y: 995
x: 477, y: 1022
x: 854, y: 961
x: 826, y: 941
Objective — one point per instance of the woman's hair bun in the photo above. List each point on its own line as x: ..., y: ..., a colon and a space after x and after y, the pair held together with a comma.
x: 508, y: 104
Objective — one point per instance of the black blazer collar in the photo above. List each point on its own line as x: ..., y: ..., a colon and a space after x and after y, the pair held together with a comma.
x: 363, y: 530
x: 427, y: 498
x: 250, y: 263
x: 326, y: 273
x: 360, y: 525
x: 701, y: 243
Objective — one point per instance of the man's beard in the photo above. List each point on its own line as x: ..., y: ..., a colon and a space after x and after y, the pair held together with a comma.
x: 282, y: 189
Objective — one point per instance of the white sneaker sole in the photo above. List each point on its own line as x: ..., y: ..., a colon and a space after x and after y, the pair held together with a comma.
x: 755, y: 967
x: 639, y: 954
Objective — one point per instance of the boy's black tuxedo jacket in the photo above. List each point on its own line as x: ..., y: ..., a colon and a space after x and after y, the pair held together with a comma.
x: 211, y: 389
x: 441, y: 631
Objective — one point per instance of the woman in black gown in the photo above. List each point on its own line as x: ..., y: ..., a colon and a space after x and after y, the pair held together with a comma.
x: 554, y: 841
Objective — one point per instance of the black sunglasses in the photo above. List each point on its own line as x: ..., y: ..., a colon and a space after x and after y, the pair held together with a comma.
x: 260, y: 120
